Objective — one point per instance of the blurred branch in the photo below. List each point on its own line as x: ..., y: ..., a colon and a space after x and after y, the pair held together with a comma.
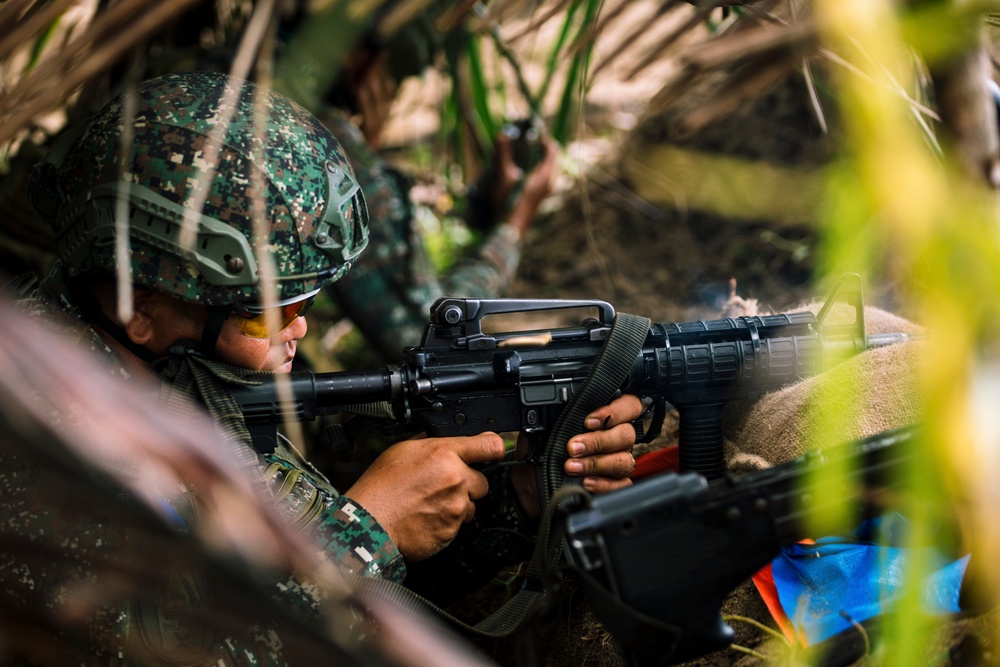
x: 111, y: 35
x: 29, y: 24
x: 530, y: 99
x: 539, y: 21
x: 450, y: 19
x: 755, y: 78
x: 758, y: 55
x: 404, y: 12
x: 587, y: 38
x: 969, y: 113
x: 630, y: 39
x: 654, y: 54
x: 793, y: 41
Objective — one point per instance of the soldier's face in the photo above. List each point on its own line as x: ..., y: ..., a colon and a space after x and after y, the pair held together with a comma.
x: 273, y: 354
x: 170, y: 320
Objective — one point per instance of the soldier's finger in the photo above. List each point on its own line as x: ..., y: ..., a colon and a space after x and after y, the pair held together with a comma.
x: 617, y: 439
x: 615, y: 466
x: 620, y: 411
x: 598, y: 485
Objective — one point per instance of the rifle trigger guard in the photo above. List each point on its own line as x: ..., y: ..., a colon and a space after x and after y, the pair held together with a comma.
x: 658, y: 410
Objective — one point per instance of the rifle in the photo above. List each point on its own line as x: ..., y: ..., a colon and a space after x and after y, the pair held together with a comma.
x: 463, y: 380
x: 656, y: 559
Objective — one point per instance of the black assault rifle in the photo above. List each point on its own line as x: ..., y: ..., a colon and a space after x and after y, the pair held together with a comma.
x: 463, y: 380
x: 657, y: 559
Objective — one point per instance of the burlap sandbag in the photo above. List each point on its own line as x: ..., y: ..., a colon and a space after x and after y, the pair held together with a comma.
x: 882, y: 385
x: 880, y: 382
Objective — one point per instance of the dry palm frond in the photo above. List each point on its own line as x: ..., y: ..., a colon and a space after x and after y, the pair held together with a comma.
x: 111, y: 35
x: 657, y: 51
x: 630, y: 39
x: 401, y: 14
x: 33, y: 20
x: 603, y: 21
x: 539, y: 21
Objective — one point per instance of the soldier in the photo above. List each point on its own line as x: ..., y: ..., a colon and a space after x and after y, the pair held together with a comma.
x: 274, y: 215
x: 389, y: 293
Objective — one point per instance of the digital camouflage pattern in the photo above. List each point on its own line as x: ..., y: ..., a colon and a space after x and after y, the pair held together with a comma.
x: 71, y: 539
x: 284, y: 174
x: 389, y: 292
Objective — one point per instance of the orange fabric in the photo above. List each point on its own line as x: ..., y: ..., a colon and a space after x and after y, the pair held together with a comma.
x: 764, y: 581
x: 659, y: 461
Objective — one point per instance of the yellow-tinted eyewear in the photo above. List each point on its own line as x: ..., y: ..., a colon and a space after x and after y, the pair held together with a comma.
x: 257, y: 321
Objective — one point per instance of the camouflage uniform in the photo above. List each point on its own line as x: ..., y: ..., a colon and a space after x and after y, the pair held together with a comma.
x: 312, y: 240
x: 389, y: 291
x: 343, y: 531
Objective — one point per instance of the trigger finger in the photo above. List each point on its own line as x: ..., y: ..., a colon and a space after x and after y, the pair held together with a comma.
x: 622, y: 410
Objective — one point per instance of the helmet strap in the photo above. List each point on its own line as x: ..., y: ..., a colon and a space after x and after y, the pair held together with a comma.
x: 217, y: 317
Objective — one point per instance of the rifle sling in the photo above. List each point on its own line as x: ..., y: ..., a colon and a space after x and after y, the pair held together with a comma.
x: 609, y: 372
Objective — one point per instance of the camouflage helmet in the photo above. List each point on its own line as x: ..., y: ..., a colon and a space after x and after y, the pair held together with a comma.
x: 315, y: 217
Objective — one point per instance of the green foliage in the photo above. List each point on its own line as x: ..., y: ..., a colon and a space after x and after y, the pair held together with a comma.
x: 39, y: 45
x: 474, y: 111
x: 896, y: 212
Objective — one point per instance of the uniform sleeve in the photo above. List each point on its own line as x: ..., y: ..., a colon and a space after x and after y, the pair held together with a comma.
x: 490, y: 271
x: 356, y: 541
x: 341, y: 528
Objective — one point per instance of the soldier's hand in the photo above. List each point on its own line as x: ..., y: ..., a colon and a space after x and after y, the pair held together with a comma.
x: 602, y: 455
x: 537, y: 186
x: 422, y: 491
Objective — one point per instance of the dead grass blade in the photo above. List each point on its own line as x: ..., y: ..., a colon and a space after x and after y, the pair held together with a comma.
x: 603, y: 21
x: 657, y: 51
x: 756, y: 78
x: 400, y: 15
x: 539, y: 21
x: 796, y: 40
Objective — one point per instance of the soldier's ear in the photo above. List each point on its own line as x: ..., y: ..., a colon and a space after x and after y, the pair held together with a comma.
x: 147, y: 313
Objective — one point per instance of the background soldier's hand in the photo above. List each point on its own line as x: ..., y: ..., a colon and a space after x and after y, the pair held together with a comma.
x: 422, y: 491
x: 537, y: 184
x: 602, y: 455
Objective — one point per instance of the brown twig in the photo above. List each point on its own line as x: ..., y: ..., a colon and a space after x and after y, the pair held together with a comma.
x: 596, y: 29
x: 400, y: 15
x: 654, y: 54
x: 450, y: 20
x: 538, y: 22
x: 797, y: 38
x: 758, y: 76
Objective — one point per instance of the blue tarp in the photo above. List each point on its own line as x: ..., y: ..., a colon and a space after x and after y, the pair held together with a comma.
x: 861, y: 575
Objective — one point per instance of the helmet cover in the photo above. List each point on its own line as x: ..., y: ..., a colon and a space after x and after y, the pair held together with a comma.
x: 294, y: 173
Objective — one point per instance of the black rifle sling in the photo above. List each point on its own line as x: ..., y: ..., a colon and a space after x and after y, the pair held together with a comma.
x: 608, y: 374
